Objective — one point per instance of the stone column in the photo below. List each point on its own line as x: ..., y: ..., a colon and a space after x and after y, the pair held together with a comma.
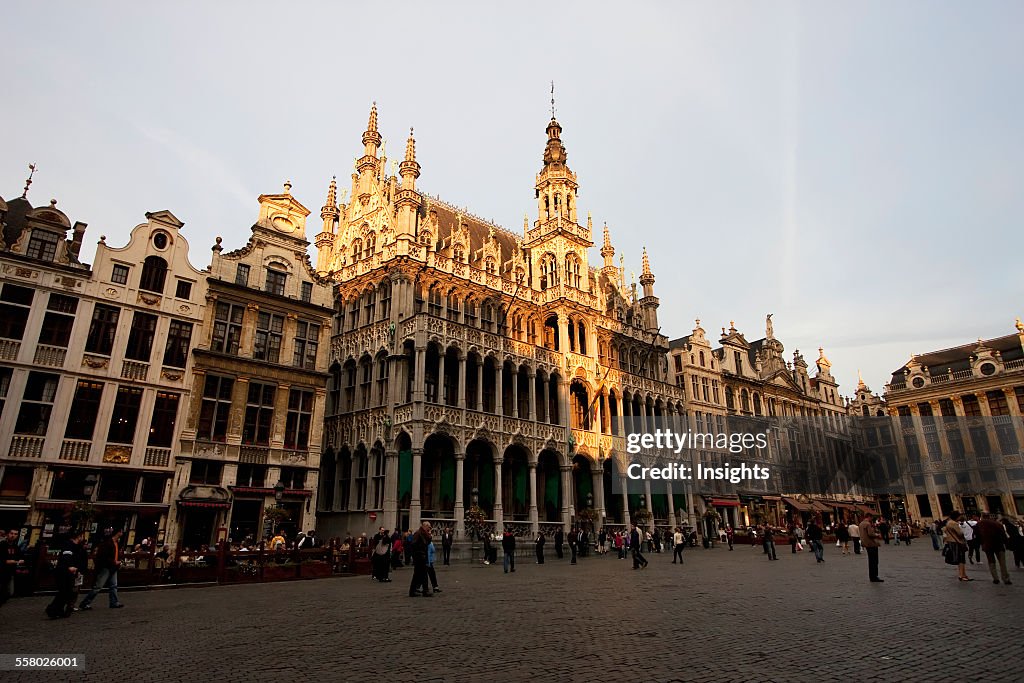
x: 532, y: 379
x: 568, y: 508
x: 390, y: 513
x: 479, y: 384
x: 337, y: 484
x: 515, y: 392
x: 534, y: 524
x: 499, y: 496
x: 563, y: 400
x: 420, y: 375
x: 624, y: 483
x: 647, y: 499
x: 440, y: 379
x: 414, y: 502
x: 498, y: 389
x: 460, y: 511
x: 672, y: 504
x: 461, y: 402
x: 599, y: 506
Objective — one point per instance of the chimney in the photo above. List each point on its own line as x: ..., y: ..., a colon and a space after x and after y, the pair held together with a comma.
x: 76, y: 240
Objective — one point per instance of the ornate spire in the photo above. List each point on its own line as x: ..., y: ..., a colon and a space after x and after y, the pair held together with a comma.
x: 32, y: 172
x: 607, y: 250
x: 372, y: 136
x: 860, y: 382
x: 410, y: 168
x: 329, y: 210
x: 646, y: 276
x: 287, y: 187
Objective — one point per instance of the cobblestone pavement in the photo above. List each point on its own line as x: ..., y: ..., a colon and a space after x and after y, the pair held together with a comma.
x: 723, y: 616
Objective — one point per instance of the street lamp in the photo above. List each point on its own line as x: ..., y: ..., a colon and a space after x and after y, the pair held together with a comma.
x: 89, y: 487
x: 279, y: 492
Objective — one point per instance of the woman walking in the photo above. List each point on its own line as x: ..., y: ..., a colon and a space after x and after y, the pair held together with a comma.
x: 956, y: 546
x: 843, y: 536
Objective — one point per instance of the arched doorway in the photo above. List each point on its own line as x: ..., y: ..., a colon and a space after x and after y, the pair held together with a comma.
x: 612, y: 500
x: 515, y: 497
x: 549, y: 487
x: 437, y: 477
x: 478, y: 476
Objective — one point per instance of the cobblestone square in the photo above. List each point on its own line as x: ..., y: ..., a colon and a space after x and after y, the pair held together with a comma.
x: 722, y: 616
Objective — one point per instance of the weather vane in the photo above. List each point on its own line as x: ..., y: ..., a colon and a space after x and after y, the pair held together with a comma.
x: 32, y: 172
x: 552, y: 99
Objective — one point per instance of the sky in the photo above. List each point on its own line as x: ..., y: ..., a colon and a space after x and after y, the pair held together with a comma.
x: 852, y: 168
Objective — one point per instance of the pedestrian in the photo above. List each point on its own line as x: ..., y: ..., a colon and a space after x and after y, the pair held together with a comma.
x: 446, y: 545
x: 508, y: 547
x: 794, y: 539
x: 573, y: 537
x: 380, y: 562
x: 869, y: 536
x: 11, y: 559
x: 71, y: 564
x: 417, y: 550
x: 814, y: 536
x: 843, y: 537
x: 620, y: 545
x: 397, y: 550
x: 956, y: 546
x: 854, y: 530
x: 539, y: 547
x: 602, y: 537
x: 729, y: 534
x: 1015, y: 544
x: 656, y: 540
x: 969, y: 528
x: 768, y: 541
x: 487, y: 548
x: 559, y: 539
x: 639, y: 561
x: 677, y: 546
x: 884, y: 528
x: 992, y: 537
x: 934, y: 534
x: 106, y: 563
x: 431, y: 574
x: 407, y: 542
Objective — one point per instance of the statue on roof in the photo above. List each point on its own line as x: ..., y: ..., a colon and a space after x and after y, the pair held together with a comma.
x: 769, y: 331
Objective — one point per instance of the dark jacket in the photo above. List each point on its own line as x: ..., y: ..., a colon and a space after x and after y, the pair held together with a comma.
x: 72, y: 555
x: 813, y: 532
x: 992, y: 535
x: 634, y: 539
x: 446, y: 539
x: 420, y: 541
x: 541, y: 540
x: 105, y: 553
x: 10, y: 553
x: 508, y: 542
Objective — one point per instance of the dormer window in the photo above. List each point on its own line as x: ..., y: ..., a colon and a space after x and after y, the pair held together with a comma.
x: 42, y: 245
x: 489, y: 265
x: 276, y: 279
x: 154, y: 273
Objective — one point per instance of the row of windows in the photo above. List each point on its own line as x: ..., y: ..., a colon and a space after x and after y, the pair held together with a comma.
x: 275, y: 281
x: 36, y: 410
x: 59, y: 320
x: 997, y: 405
x: 153, y: 278
x: 211, y: 473
x: 267, y: 344
x: 260, y: 406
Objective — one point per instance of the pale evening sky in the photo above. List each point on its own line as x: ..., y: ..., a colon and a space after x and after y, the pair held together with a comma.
x: 852, y: 168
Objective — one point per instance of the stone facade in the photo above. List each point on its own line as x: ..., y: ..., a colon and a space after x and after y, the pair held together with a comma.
x: 94, y: 369
x: 252, y: 437
x: 957, y: 416
x: 475, y: 370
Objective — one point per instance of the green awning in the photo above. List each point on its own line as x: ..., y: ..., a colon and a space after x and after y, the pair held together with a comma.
x: 404, y: 474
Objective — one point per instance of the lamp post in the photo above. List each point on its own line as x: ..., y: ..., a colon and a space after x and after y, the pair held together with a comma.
x: 89, y: 488
x: 278, y: 496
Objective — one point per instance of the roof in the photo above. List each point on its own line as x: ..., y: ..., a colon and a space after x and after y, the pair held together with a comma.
x: 959, y: 357
x: 479, y: 229
x: 680, y: 343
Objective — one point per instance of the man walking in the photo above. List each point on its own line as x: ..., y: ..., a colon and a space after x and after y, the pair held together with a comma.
x: 418, y: 552
x: 539, y: 547
x: 446, y: 545
x: 107, y: 562
x: 677, y: 546
x: 573, y: 536
x: 768, y: 541
x: 869, y: 539
x: 508, y: 547
x: 70, y: 565
x: 639, y: 562
x: 854, y: 531
x: 970, y: 529
x: 992, y: 537
x: 11, y: 558
x: 814, y: 535
x: 559, y: 539
x: 380, y: 562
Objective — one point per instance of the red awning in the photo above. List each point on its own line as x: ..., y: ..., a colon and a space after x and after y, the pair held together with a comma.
x: 721, y: 502
x: 865, y: 508
x: 802, y: 507
x: 820, y: 507
x: 305, y: 493
x: 218, y: 504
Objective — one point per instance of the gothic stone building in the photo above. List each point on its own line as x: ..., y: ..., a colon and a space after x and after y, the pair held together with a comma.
x: 479, y: 371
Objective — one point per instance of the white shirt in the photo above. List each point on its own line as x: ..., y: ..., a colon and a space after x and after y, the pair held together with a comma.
x: 854, y: 531
x: 968, y: 530
x: 677, y: 537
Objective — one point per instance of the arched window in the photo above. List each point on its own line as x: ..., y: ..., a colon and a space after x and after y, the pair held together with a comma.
x: 489, y: 265
x: 487, y: 316
x: 744, y: 401
x: 702, y: 359
x: 426, y: 238
x: 370, y: 245
x: 469, y: 312
x: 357, y: 249
x: 453, y: 305
x: 581, y: 338
x: 730, y: 401
x: 459, y: 253
x: 434, y: 300
x: 548, y: 271
x: 154, y: 273
x: 572, y: 270
x: 384, y: 301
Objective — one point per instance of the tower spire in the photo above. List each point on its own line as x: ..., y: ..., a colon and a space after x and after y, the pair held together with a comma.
x: 607, y: 250
x: 371, y: 137
x: 646, y: 274
x: 409, y: 169
x: 330, y: 207
x: 552, y: 100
